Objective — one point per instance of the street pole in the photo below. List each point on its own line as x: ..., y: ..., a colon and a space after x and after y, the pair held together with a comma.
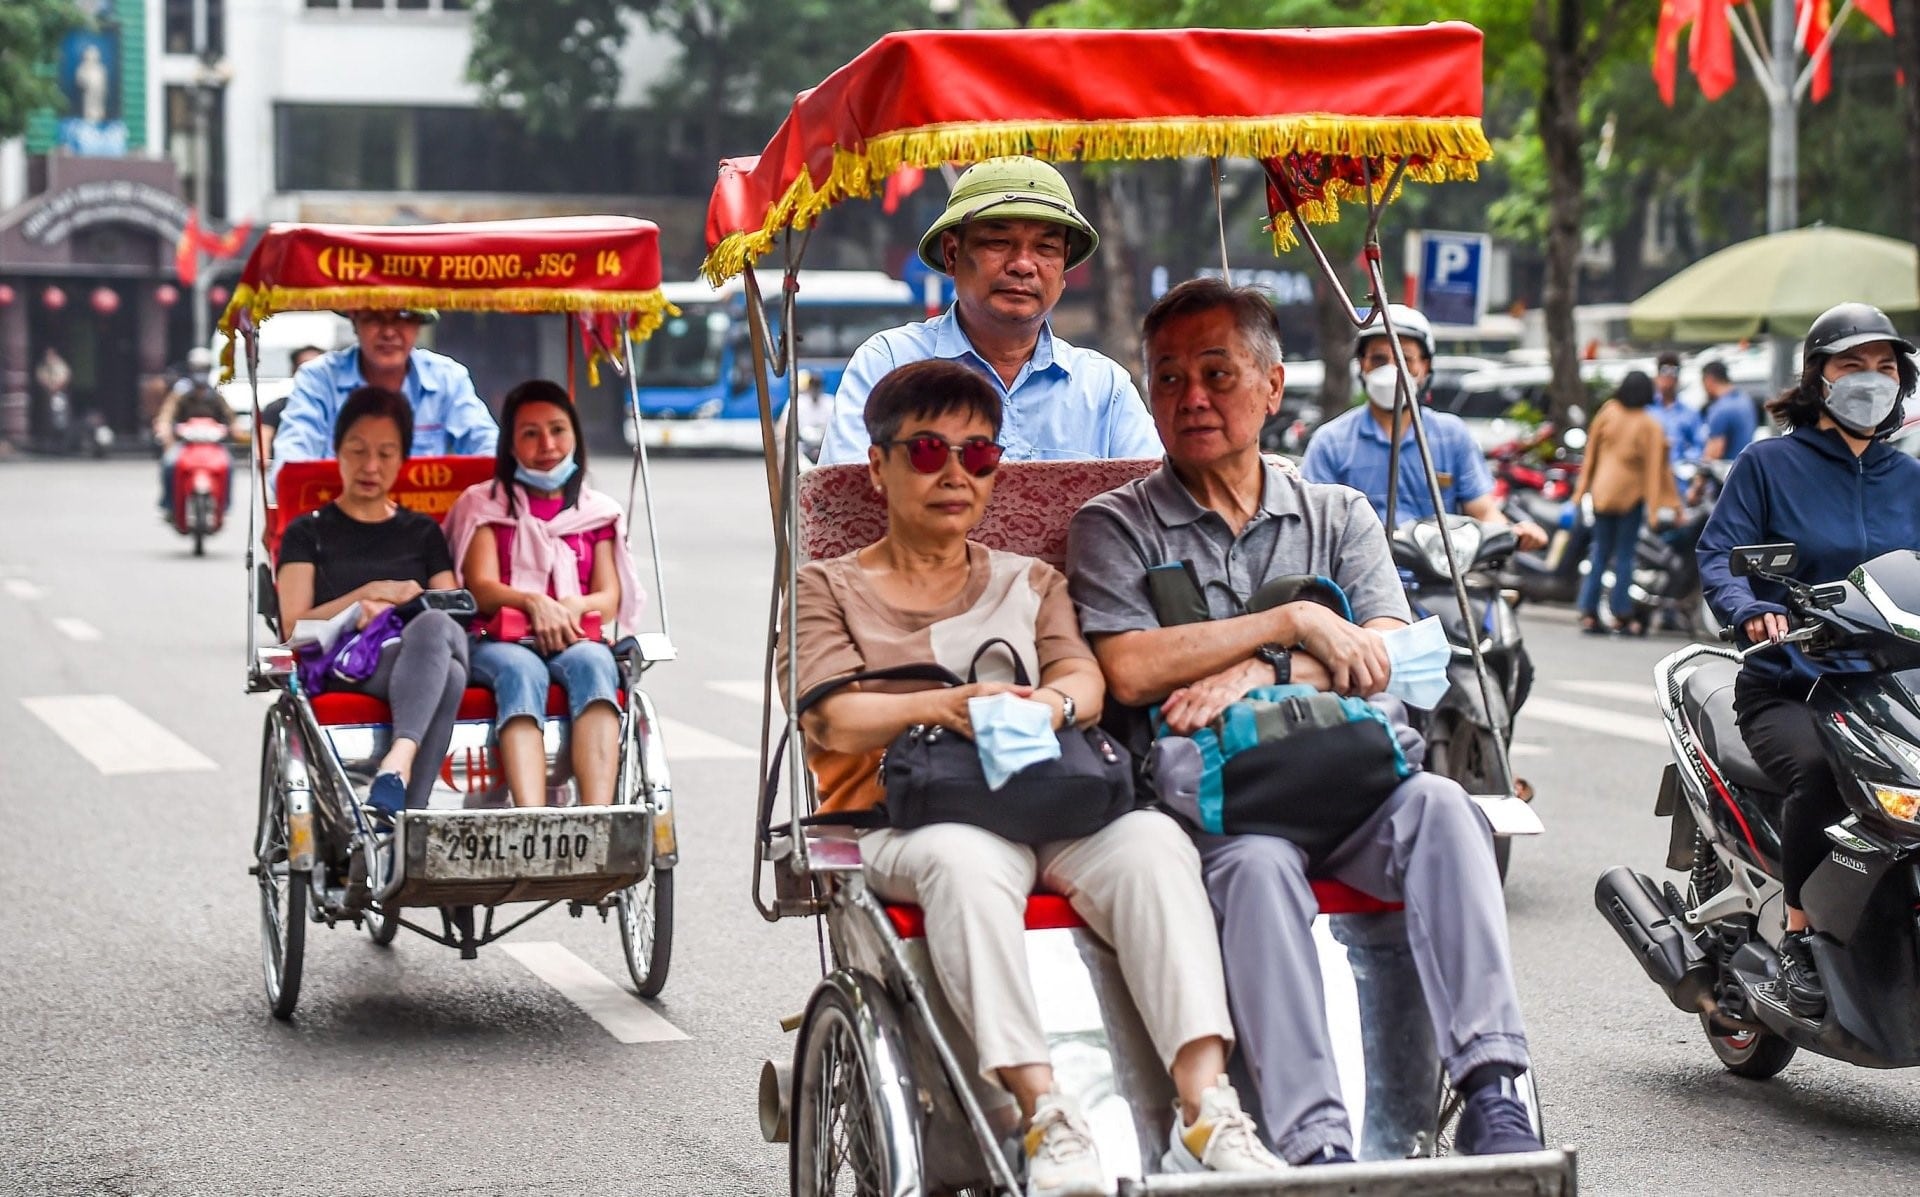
x: 1783, y: 160
x: 202, y: 193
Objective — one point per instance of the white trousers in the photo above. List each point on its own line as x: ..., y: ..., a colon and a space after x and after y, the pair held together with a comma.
x: 1137, y: 884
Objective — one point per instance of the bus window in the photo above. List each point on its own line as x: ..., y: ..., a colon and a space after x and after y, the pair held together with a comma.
x: 686, y: 350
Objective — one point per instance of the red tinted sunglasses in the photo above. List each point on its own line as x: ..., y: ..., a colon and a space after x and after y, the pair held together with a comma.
x: 928, y: 453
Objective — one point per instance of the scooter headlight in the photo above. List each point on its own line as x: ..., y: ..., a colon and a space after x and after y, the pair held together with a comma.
x: 1899, y: 802
x: 1466, y: 545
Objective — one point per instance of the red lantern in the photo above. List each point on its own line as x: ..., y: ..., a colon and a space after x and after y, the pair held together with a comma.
x: 54, y: 298
x: 218, y: 296
x: 6, y: 295
x: 166, y: 295
x: 104, y: 300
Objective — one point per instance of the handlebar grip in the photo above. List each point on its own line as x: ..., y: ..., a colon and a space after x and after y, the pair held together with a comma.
x: 1726, y: 635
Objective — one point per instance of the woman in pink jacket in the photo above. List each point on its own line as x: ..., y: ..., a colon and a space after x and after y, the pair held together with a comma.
x: 538, y: 541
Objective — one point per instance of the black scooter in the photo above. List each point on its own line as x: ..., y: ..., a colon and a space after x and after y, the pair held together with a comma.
x: 1712, y: 947
x: 1461, y: 732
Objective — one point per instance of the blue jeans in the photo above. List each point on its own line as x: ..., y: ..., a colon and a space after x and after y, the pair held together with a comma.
x: 518, y: 677
x: 1614, y: 539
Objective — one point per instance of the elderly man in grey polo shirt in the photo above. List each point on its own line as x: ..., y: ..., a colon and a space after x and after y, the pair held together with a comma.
x: 1214, y: 374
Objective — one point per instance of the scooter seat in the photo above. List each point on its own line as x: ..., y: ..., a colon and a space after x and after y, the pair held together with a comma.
x: 1707, y: 698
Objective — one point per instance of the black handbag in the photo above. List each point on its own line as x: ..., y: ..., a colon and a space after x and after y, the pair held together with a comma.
x: 933, y: 774
x: 458, y: 604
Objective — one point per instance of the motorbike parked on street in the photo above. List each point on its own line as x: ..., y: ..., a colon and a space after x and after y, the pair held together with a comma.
x: 1712, y: 948
x: 1461, y: 732
x: 202, y: 474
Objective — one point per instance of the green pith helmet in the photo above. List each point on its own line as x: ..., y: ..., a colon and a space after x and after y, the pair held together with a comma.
x: 1012, y: 189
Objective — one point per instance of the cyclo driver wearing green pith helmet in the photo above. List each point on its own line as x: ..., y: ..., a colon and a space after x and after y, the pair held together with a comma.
x: 1008, y: 236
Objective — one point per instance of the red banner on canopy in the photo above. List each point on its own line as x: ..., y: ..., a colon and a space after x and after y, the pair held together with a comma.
x: 925, y: 98
x: 567, y: 264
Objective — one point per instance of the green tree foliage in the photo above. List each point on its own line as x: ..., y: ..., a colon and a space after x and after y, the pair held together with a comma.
x: 740, y: 61
x: 30, y: 33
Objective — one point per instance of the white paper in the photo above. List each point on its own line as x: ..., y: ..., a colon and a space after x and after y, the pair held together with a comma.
x: 324, y: 633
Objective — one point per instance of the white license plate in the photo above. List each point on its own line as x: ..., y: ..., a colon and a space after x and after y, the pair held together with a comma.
x: 508, y: 845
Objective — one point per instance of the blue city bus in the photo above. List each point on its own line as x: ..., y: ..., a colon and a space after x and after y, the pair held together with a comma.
x: 696, y: 372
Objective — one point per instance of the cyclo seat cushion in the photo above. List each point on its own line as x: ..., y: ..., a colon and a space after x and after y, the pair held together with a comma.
x: 1706, y: 696
x: 349, y: 709
x: 1049, y: 912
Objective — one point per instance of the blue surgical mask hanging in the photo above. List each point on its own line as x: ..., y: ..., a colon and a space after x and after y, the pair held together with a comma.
x: 1011, y: 733
x: 1419, y: 654
x: 552, y: 479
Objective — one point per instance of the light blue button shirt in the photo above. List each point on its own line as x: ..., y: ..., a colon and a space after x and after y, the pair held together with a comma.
x: 448, y: 417
x: 1065, y: 404
x: 1686, y: 431
x: 1351, y: 450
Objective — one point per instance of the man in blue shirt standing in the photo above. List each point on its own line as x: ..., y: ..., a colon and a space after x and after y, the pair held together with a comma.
x: 1731, y: 420
x: 448, y: 417
x: 1686, y: 435
x: 1353, y: 448
x: 1009, y: 235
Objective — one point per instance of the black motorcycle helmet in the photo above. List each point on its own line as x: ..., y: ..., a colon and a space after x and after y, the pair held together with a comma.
x: 1837, y: 330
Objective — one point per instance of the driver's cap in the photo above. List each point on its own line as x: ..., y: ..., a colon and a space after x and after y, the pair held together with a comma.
x: 1012, y: 189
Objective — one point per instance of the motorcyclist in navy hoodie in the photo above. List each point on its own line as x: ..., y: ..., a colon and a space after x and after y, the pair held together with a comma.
x: 1835, y: 488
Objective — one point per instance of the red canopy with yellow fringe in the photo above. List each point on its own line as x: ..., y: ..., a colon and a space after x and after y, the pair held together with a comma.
x: 586, y: 264
x: 1322, y: 101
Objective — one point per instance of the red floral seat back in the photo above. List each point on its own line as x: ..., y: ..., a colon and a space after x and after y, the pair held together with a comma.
x: 1032, y: 502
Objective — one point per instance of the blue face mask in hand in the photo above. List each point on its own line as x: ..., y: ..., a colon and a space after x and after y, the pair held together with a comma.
x: 1011, y: 733
x: 1419, y: 656
x: 552, y: 479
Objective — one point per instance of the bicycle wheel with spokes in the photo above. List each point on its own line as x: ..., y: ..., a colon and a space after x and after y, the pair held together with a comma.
x: 283, y: 890
x: 646, y: 930
x: 839, y: 1143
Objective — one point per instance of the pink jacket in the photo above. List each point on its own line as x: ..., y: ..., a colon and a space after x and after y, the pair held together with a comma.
x: 542, y: 561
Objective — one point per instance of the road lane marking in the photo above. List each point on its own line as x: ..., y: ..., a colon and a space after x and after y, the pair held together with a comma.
x: 114, y: 737
x: 625, y: 1017
x: 77, y: 629
x: 1636, y: 692
x: 745, y: 691
x: 20, y: 588
x: 685, y: 742
x: 1596, y: 719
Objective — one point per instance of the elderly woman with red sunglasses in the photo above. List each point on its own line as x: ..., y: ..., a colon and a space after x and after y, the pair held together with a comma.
x: 924, y: 593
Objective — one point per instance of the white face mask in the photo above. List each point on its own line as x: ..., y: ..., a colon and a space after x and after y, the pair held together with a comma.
x: 1382, y: 383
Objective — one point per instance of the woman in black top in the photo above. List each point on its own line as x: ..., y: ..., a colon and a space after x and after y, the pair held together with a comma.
x: 364, y: 548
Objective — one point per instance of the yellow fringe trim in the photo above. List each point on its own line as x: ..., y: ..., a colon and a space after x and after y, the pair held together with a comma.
x: 262, y: 303
x: 1453, y: 147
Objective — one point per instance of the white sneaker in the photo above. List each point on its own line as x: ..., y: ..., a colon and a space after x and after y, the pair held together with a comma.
x: 1060, y: 1154
x: 1222, y: 1139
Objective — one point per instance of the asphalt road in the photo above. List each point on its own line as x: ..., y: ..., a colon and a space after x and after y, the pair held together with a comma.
x: 137, y: 1056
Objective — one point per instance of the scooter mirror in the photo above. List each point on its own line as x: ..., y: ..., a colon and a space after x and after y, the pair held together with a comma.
x: 1576, y: 438
x: 1763, y: 559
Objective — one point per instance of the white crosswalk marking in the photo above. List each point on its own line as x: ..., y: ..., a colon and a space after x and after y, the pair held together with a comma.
x: 1595, y: 719
x: 624, y: 1016
x: 1636, y: 692
x: 745, y: 691
x: 114, y: 737
x: 686, y: 742
x: 76, y: 629
x: 20, y: 588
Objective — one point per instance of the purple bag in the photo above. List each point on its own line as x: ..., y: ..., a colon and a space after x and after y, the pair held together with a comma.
x: 353, y: 658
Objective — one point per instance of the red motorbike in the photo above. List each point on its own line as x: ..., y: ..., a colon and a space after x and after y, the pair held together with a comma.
x: 1518, y: 465
x: 201, y: 475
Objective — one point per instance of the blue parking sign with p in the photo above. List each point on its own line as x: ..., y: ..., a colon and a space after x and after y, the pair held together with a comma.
x: 1453, y: 277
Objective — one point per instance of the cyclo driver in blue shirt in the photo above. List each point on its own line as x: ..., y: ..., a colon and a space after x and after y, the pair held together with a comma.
x: 1008, y: 237
x: 449, y: 418
x: 1353, y: 448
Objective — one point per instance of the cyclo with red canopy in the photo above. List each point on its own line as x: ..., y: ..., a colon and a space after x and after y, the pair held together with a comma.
x: 464, y: 859
x: 875, y: 1099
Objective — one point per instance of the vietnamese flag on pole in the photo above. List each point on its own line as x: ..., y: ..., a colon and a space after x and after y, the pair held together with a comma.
x: 186, y: 251
x: 1675, y: 15
x: 1880, y: 12
x: 1710, y: 50
x: 1816, y: 24
x: 901, y: 184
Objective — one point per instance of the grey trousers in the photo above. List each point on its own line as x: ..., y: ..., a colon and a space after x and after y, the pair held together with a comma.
x: 1428, y: 847
x: 422, y: 676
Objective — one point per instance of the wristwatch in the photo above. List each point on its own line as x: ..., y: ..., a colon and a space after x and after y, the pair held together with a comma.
x: 1280, y: 659
x: 1067, y: 709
